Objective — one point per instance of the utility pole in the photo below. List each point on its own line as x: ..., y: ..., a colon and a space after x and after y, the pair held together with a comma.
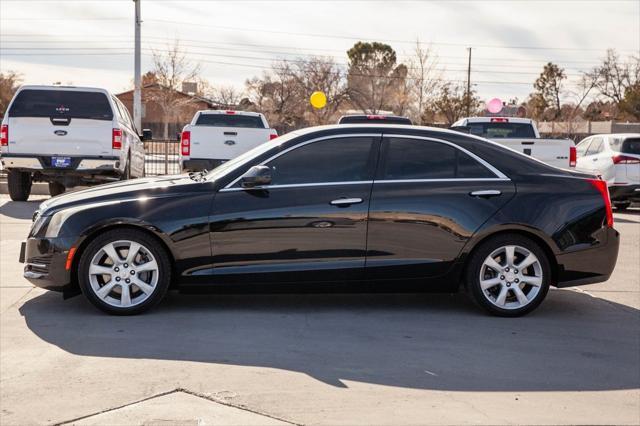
x: 469, y: 84
x: 137, y: 80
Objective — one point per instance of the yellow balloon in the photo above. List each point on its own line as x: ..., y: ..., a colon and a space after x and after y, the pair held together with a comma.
x: 318, y: 100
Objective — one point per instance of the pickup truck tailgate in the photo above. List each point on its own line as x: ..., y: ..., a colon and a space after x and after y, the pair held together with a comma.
x: 38, y: 135
x: 554, y: 152
x: 225, y: 142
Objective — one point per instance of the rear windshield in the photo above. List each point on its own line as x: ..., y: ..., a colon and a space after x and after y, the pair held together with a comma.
x: 626, y: 146
x: 230, y: 120
x: 363, y: 119
x: 501, y: 130
x: 61, y: 103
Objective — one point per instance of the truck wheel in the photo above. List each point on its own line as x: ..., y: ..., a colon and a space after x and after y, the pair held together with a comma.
x: 56, y: 188
x: 19, y: 184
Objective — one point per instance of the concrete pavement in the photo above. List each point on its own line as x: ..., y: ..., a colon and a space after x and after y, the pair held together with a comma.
x: 319, y: 359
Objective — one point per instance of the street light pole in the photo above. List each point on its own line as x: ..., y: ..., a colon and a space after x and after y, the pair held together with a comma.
x: 469, y: 84
x: 137, y: 80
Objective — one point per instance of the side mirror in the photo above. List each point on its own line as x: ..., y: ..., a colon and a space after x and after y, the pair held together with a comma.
x: 256, y: 176
x: 146, y: 135
x: 461, y: 129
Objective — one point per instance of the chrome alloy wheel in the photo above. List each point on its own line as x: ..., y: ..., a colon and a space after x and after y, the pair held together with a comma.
x: 123, y: 273
x: 511, y: 277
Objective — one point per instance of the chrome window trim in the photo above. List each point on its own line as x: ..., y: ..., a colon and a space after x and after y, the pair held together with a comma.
x: 496, y: 179
x: 491, y: 168
x: 322, y: 138
x: 299, y: 185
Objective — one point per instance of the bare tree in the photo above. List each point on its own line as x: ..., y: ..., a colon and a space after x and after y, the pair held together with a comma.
x: 450, y: 103
x: 613, y: 77
x: 229, y: 96
x: 9, y: 83
x: 424, y: 80
x: 171, y: 68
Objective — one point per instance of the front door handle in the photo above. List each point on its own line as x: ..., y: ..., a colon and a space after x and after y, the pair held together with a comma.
x: 343, y: 202
x: 486, y: 193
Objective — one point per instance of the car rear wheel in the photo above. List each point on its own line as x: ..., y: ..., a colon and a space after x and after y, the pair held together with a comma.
x: 56, y: 188
x: 124, y: 272
x: 19, y: 184
x: 509, y: 275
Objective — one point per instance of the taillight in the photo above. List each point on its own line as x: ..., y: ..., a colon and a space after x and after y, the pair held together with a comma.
x: 573, y: 156
x: 116, y: 139
x: 185, y: 142
x: 273, y: 134
x: 4, y: 135
x: 230, y: 112
x: 376, y: 117
x: 622, y: 159
x: 499, y: 120
x: 601, y: 186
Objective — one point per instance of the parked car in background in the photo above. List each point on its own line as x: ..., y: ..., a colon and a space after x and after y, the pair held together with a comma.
x: 395, y: 208
x: 522, y: 135
x: 214, y: 137
x: 615, y: 157
x: 374, y: 118
x: 67, y: 136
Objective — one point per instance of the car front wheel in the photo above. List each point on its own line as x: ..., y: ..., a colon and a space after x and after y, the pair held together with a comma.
x: 509, y: 275
x: 124, y: 272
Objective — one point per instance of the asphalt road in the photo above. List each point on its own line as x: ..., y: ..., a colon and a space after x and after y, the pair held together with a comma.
x: 319, y: 359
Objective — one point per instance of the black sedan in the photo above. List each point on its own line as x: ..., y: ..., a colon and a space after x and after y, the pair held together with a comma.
x: 367, y: 207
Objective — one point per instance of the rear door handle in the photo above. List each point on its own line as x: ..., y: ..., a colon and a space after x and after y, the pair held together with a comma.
x: 340, y: 202
x: 486, y: 193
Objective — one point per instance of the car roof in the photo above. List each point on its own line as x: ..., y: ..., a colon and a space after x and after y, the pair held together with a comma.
x: 488, y: 119
x: 63, y: 88
x: 230, y: 112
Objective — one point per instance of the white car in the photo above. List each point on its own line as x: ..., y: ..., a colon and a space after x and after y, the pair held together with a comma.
x: 67, y: 136
x: 216, y: 136
x: 521, y: 134
x: 615, y: 157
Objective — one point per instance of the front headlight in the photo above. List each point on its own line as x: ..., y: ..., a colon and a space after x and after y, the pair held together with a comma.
x: 39, y: 223
x: 57, y: 220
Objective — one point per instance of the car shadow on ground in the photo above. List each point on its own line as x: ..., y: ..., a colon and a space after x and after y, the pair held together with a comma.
x: 19, y: 209
x: 423, y: 341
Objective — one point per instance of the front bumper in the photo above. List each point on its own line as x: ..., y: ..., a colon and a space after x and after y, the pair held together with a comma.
x: 589, y: 266
x: 625, y: 192
x: 45, y: 262
x: 34, y: 162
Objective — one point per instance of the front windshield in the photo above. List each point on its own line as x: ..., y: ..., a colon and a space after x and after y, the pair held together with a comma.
x: 230, y: 165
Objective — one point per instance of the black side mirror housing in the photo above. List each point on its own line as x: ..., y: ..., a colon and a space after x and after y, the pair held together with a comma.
x: 256, y: 176
x: 146, y: 135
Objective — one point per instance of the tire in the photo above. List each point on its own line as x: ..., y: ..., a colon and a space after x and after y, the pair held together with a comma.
x: 19, y: 184
x: 56, y: 188
x: 105, y: 282
x: 506, y: 289
x: 622, y: 206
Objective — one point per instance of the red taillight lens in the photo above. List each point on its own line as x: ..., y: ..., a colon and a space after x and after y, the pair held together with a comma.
x: 116, y: 139
x: 273, y: 135
x: 185, y: 143
x: 231, y: 112
x: 623, y: 159
x: 376, y: 117
x: 601, y: 186
x: 499, y: 120
x: 573, y: 156
x: 4, y: 135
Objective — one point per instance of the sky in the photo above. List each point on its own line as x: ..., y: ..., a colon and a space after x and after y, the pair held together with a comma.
x: 91, y: 42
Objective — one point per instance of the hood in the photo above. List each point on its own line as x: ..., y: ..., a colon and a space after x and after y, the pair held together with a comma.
x: 150, y: 187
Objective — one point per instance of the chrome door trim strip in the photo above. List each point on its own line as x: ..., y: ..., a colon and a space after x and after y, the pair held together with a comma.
x: 299, y: 185
x: 442, y: 180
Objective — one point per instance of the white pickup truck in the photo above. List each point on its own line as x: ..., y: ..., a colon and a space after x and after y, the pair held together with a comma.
x: 521, y: 135
x: 216, y: 136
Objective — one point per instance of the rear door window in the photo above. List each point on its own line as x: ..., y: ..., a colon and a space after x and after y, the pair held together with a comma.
x: 424, y: 159
x: 230, y: 120
x: 61, y: 103
x: 595, y: 147
x: 582, y: 147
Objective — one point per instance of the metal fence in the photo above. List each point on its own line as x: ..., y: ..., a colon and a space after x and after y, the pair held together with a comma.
x: 161, y: 157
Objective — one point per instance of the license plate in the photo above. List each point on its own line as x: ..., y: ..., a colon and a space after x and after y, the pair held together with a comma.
x: 60, y: 161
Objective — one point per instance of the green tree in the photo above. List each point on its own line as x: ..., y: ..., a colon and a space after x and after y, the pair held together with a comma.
x: 548, y: 89
x: 374, y: 78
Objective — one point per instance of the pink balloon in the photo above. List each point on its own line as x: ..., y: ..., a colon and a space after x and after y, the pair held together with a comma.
x: 494, y: 106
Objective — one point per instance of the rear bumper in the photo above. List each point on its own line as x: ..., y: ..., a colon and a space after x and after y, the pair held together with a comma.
x: 589, y: 266
x: 625, y: 192
x: 198, y: 164
x: 44, y: 262
x: 42, y: 164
